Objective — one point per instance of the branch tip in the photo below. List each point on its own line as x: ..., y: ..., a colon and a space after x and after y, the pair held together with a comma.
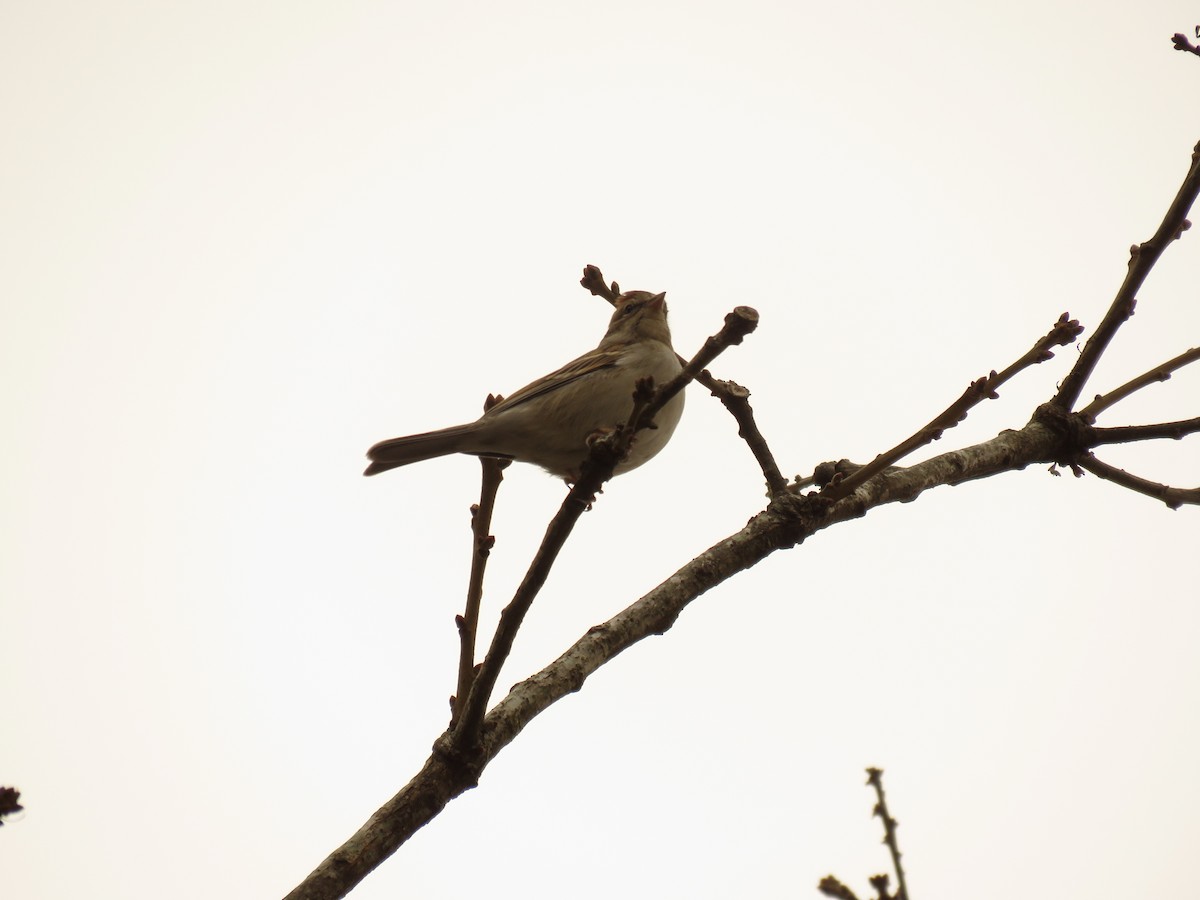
x: 1182, y: 43
x: 593, y: 280
x: 1142, y: 258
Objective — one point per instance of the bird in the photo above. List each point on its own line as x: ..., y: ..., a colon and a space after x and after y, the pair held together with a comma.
x: 550, y: 422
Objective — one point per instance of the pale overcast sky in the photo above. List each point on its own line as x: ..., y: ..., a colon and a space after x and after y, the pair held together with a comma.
x: 239, y: 243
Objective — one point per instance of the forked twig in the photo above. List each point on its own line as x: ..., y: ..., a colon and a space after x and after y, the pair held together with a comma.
x: 788, y: 520
x: 1064, y: 332
x: 733, y: 397
x: 593, y: 280
x: 832, y: 887
x: 482, y: 543
x: 603, y: 458
x: 1141, y: 260
x: 1157, y: 374
x: 1182, y: 43
x: 875, y: 779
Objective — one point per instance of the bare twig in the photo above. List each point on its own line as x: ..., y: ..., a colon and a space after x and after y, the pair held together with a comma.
x: 733, y: 396
x: 1065, y: 331
x: 593, y: 280
x: 482, y: 543
x: 739, y: 323
x: 1182, y: 43
x: 831, y: 887
x: 1157, y: 374
x: 787, y: 521
x: 875, y: 779
x: 1173, y: 497
x: 1128, y: 434
x: 470, y: 720
x: 736, y: 399
x: 8, y: 802
x: 604, y: 456
x: 1141, y: 261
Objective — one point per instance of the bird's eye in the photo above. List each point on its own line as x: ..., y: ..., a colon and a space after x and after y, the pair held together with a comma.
x: 630, y: 309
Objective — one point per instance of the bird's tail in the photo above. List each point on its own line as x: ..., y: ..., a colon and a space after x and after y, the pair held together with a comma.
x: 416, y: 447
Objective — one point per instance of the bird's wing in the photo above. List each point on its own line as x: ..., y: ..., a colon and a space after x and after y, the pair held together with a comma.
x: 592, y: 361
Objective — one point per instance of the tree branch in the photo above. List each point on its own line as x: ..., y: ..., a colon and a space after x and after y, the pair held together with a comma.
x: 736, y: 399
x: 1182, y: 43
x: 1064, y: 331
x: 787, y: 521
x: 8, y: 802
x: 831, y: 887
x: 1127, y: 434
x: 482, y: 543
x: 604, y: 456
x: 1053, y: 435
x: 733, y: 396
x: 593, y: 280
x: 875, y: 779
x: 1173, y: 497
x: 1157, y: 374
x: 1141, y: 261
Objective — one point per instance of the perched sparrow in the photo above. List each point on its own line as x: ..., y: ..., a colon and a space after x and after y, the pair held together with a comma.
x: 548, y: 423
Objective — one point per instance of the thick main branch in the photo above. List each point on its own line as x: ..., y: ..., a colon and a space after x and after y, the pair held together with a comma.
x: 786, y: 521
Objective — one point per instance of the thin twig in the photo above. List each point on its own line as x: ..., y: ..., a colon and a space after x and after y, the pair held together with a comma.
x: 8, y: 802
x: 875, y: 778
x: 1173, y: 497
x: 784, y: 524
x: 593, y: 280
x: 732, y: 396
x: 831, y: 887
x: 481, y: 547
x: 603, y: 458
x: 826, y: 472
x: 1157, y: 374
x: 470, y: 721
x: 736, y: 399
x: 1127, y: 434
x: 1141, y: 261
x: 1065, y: 331
x: 739, y: 323
x: 1182, y: 43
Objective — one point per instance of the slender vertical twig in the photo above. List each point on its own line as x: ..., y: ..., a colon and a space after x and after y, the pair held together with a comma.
x: 875, y: 779
x: 1141, y: 260
x: 481, y: 542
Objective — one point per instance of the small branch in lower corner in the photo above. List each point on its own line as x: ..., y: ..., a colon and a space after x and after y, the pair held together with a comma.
x: 832, y: 887
x: 875, y: 779
x: 8, y: 802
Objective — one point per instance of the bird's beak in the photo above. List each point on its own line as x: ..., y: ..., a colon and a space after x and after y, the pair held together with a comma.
x: 659, y: 300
